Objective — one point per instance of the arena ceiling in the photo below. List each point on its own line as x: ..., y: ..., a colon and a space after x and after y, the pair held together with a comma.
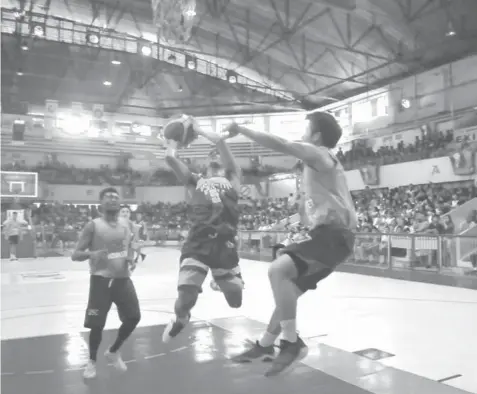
x: 309, y: 53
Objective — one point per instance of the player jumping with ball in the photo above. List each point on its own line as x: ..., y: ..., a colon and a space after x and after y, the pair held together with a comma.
x: 214, y: 214
x: 329, y: 212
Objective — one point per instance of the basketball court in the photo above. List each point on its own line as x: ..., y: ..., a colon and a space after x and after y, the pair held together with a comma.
x: 365, y: 334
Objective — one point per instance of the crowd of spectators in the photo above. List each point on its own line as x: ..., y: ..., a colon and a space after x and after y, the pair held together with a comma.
x: 362, y: 152
x: 431, y: 144
x: 410, y: 208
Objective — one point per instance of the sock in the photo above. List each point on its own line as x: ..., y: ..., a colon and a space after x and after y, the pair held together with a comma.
x: 124, y: 331
x: 95, y: 336
x: 289, y: 330
x: 267, y: 339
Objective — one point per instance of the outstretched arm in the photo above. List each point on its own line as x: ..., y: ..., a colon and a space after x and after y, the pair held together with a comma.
x: 312, y: 155
x: 228, y: 159
x: 179, y: 168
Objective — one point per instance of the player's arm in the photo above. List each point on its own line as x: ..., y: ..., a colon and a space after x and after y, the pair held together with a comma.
x: 81, y: 252
x: 228, y: 159
x: 182, y: 171
x: 314, y: 156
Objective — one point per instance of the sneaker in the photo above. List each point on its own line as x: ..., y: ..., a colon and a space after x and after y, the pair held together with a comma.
x: 116, y: 360
x: 90, y: 370
x: 290, y: 353
x: 174, y: 327
x: 256, y: 352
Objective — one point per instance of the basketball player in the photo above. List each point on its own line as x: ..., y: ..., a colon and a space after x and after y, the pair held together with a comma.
x: 106, y: 243
x: 329, y: 212
x: 12, y: 230
x: 125, y: 214
x: 210, y: 244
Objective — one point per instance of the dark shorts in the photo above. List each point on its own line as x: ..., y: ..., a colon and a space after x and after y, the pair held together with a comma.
x: 13, y: 239
x: 103, y: 292
x: 219, y: 255
x: 318, y: 256
x: 218, y: 252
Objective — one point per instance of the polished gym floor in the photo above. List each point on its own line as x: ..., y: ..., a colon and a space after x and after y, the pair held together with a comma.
x: 365, y: 334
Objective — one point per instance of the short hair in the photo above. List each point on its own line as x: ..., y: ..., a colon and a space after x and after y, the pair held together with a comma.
x: 107, y: 190
x: 326, y: 124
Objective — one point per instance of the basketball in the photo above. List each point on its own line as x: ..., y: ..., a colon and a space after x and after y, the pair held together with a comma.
x: 180, y: 130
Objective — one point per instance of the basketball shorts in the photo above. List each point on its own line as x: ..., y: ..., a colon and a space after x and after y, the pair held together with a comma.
x: 318, y: 256
x: 13, y: 239
x: 219, y: 255
x: 103, y: 293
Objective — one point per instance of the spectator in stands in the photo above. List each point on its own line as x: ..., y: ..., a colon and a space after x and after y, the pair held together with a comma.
x: 470, y: 222
x: 447, y: 225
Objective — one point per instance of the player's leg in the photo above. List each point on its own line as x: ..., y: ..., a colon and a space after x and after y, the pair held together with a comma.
x: 303, y: 265
x: 99, y: 304
x: 192, y: 274
x: 125, y: 297
x: 264, y: 348
x: 13, y: 241
x: 230, y: 283
x: 226, y: 271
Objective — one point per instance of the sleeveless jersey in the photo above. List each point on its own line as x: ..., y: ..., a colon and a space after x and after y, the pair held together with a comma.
x: 116, y: 239
x: 213, y: 207
x: 326, y: 197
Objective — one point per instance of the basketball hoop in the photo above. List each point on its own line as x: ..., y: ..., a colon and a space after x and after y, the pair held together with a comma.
x: 174, y: 19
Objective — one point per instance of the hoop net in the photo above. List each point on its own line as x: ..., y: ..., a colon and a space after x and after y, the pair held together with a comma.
x: 174, y: 19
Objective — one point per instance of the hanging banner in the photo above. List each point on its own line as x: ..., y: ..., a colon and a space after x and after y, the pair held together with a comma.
x: 370, y: 174
x: 463, y: 161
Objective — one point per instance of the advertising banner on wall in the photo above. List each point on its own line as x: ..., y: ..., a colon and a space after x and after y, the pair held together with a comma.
x: 370, y: 174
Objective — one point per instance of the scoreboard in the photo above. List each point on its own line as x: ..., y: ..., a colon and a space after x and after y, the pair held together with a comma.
x: 19, y: 184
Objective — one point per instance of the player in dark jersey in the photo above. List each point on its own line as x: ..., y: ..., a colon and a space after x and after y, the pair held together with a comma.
x: 328, y: 210
x: 213, y: 212
x: 106, y: 243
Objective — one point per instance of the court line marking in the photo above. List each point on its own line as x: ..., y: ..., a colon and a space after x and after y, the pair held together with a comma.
x: 449, y: 378
x: 7, y: 373
x: 179, y: 349
x: 154, y: 356
x: 73, y: 369
x: 39, y: 372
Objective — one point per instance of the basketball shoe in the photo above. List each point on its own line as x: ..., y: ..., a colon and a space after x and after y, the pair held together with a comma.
x: 290, y: 353
x: 116, y: 360
x: 90, y: 370
x: 255, y: 352
x: 174, y: 327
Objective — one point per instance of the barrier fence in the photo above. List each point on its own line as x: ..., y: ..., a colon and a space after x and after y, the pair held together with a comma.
x: 455, y: 254
x: 442, y: 253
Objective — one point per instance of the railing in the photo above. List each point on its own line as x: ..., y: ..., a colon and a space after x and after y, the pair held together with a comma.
x: 440, y: 253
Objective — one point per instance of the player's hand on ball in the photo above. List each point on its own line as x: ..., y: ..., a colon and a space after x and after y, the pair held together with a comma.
x: 232, y: 130
x: 181, y: 131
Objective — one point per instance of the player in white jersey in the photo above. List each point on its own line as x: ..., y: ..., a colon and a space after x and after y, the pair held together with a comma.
x: 13, y: 229
x: 327, y: 209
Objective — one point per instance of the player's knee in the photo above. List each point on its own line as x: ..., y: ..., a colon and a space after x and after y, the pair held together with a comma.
x: 282, y: 268
x: 133, y: 321
x: 234, y: 298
